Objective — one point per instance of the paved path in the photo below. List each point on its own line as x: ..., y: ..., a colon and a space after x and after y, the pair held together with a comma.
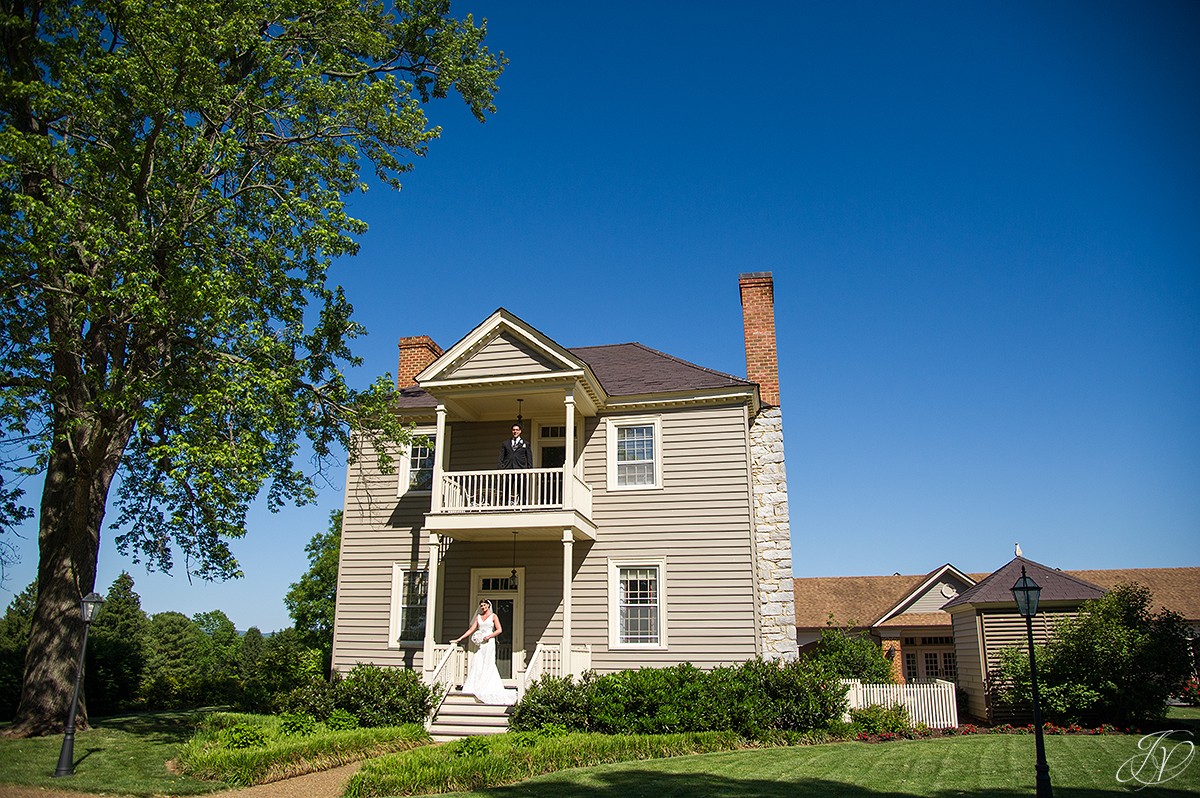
x: 325, y: 784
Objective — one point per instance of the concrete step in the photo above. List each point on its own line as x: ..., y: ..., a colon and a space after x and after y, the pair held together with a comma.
x: 461, y: 715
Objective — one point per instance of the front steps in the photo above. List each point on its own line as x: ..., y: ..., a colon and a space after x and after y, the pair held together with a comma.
x: 460, y: 715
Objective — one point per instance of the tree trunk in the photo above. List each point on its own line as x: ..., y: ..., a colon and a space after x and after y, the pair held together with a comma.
x: 78, y: 477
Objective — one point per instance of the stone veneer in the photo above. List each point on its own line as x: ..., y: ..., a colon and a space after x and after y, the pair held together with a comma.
x: 772, y: 536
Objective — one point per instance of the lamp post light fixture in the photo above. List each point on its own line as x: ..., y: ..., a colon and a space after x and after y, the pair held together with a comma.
x: 66, y: 757
x: 1026, y: 592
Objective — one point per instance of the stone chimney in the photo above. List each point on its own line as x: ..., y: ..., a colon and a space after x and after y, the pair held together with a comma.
x: 758, y: 321
x: 417, y: 352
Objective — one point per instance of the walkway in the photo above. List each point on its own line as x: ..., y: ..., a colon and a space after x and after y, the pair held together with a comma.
x: 325, y: 784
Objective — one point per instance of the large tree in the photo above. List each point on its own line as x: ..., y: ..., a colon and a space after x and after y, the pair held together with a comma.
x: 312, y: 600
x: 172, y: 184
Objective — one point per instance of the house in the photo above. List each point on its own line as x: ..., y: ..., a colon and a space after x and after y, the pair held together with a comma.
x: 903, y: 613
x: 950, y: 624
x: 652, y: 530
x: 985, y: 619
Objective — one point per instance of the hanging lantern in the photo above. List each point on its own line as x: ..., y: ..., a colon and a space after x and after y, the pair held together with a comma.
x: 512, y: 577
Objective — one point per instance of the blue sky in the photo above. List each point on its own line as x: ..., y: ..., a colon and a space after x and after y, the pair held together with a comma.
x: 984, y: 224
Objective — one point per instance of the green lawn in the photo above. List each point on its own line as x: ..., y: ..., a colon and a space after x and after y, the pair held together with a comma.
x: 983, y: 766
x: 125, y: 755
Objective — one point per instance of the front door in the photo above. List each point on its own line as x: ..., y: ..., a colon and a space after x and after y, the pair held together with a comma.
x: 493, y: 584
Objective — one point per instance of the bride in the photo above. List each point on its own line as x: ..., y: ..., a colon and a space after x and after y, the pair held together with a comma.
x: 482, y: 678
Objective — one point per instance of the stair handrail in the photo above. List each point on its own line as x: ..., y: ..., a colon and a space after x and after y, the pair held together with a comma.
x: 439, y: 680
x: 533, y: 670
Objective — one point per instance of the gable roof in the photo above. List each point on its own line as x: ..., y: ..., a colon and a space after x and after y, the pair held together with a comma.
x: 856, y: 600
x: 996, y: 588
x: 863, y: 599
x: 869, y: 600
x: 616, y: 371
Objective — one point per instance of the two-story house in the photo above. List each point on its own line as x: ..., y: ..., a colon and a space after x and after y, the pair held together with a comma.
x: 651, y: 530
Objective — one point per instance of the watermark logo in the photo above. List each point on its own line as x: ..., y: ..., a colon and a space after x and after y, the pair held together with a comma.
x: 1162, y: 759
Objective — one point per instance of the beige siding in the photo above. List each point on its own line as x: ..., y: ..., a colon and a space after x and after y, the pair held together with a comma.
x: 699, y: 523
x: 971, y: 679
x: 933, y: 598
x: 1005, y: 629
x: 378, y: 529
x: 503, y: 356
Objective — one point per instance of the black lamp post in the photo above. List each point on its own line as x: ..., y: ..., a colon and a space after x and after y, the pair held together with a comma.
x: 66, y: 757
x: 1026, y: 592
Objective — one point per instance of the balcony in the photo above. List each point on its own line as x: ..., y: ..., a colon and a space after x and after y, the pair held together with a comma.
x: 490, y: 505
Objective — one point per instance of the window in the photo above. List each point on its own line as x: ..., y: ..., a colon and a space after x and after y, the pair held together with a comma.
x: 416, y: 466
x: 637, y: 598
x: 931, y: 665
x: 950, y: 666
x: 410, y: 589
x: 910, y: 667
x: 634, y: 453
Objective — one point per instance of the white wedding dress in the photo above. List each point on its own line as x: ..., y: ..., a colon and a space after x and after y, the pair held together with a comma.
x: 482, y: 678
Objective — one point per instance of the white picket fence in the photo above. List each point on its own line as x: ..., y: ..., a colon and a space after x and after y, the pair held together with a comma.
x: 933, y: 703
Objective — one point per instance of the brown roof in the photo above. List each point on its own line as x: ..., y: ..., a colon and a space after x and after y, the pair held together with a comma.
x: 630, y: 369
x: 919, y: 619
x: 1176, y: 589
x: 624, y: 370
x: 1056, y: 585
x: 857, y: 600
x: 863, y: 599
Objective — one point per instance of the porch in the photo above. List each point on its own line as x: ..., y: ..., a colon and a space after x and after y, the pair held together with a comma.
x: 547, y: 660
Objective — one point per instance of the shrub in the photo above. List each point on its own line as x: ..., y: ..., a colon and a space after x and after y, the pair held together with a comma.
x: 1117, y: 662
x: 297, y: 724
x: 384, y: 696
x: 315, y: 697
x: 554, y: 701
x: 1191, y: 691
x: 341, y: 720
x: 244, y: 735
x: 754, y: 699
x: 852, y: 655
x: 878, y: 719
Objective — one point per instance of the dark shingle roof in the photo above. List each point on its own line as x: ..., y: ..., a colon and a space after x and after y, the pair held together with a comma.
x: 1056, y: 585
x: 630, y: 369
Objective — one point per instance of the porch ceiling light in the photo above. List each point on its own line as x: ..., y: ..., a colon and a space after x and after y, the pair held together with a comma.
x: 512, y: 577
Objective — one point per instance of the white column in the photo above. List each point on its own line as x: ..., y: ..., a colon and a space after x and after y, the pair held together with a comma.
x: 568, y: 556
x: 428, y: 662
x: 569, y: 464
x: 441, y: 459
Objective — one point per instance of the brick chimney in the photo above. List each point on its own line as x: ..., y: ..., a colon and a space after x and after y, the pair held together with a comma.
x: 758, y: 320
x: 417, y: 352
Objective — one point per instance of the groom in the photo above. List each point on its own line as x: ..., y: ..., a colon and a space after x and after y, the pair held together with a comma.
x: 515, y: 454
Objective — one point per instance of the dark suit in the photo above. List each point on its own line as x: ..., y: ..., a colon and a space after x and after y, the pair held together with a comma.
x: 514, y: 456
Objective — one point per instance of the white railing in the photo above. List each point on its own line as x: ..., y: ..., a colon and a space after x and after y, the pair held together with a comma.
x: 932, y: 703
x: 450, y: 669
x: 547, y: 661
x: 521, y: 489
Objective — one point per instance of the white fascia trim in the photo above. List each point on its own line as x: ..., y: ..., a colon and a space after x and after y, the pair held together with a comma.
x: 688, y: 399
x: 947, y: 568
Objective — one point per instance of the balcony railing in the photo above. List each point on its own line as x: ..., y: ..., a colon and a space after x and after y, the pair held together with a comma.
x: 525, y: 489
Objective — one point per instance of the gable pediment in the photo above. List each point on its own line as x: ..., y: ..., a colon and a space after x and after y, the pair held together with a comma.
x: 502, y: 346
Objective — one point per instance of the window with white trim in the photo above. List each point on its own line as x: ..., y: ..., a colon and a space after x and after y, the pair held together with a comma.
x: 410, y: 589
x: 637, y: 604
x: 416, y: 464
x: 634, y: 453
